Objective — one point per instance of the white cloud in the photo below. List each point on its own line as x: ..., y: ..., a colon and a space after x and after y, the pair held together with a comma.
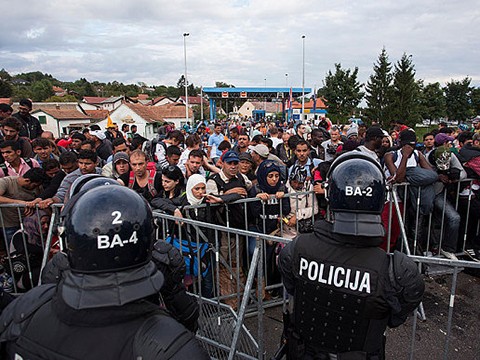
x: 237, y: 41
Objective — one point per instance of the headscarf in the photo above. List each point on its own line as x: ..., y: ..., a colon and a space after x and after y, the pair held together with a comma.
x: 193, y: 181
x: 32, y: 227
x: 264, y: 169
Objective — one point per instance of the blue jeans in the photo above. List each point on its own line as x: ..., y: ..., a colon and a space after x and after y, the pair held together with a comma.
x: 451, y: 222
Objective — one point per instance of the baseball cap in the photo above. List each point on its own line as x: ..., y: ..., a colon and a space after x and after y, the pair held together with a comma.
x: 407, y: 137
x: 260, y: 149
x: 99, y: 134
x: 230, y: 156
x: 245, y: 156
x: 121, y: 155
x: 442, y: 138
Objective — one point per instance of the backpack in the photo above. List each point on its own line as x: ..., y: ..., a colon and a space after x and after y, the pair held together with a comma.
x: 5, y: 169
x: 150, y: 184
x: 151, y: 148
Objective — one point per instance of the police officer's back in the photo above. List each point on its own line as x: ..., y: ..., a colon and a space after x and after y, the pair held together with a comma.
x: 346, y: 290
x: 104, y: 307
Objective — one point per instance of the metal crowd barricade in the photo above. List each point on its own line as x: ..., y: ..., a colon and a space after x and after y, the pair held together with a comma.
x: 222, y: 322
x: 221, y: 326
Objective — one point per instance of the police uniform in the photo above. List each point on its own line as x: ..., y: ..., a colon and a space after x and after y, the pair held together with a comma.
x: 345, y: 289
x: 104, y: 306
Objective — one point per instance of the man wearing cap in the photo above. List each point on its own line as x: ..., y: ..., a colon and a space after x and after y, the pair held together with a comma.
x: 246, y: 166
x: 31, y: 127
x: 103, y: 146
x: 260, y: 153
x: 449, y: 170
x: 232, y: 186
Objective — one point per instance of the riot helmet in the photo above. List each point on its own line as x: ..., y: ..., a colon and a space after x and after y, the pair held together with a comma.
x: 89, y: 181
x: 356, y: 193
x: 107, y: 229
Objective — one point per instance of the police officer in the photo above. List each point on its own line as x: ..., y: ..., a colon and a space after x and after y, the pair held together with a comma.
x: 347, y: 290
x: 104, y: 306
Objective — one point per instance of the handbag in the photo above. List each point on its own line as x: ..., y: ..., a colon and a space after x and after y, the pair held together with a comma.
x: 190, y: 252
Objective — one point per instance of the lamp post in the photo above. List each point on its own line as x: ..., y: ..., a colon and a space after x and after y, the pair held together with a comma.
x: 265, y: 103
x: 303, y: 75
x: 186, y: 80
x: 286, y: 80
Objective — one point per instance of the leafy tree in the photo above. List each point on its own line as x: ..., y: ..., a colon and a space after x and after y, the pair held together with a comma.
x: 65, y: 98
x: 223, y: 84
x: 341, y: 92
x: 379, y: 90
x: 42, y: 90
x: 432, y: 104
x: 4, y: 75
x: 457, y: 93
x: 405, y: 92
x: 6, y: 89
x: 475, y: 100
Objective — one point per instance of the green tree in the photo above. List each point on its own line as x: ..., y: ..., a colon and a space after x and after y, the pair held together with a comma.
x: 475, y: 100
x: 432, y: 104
x: 379, y: 90
x: 457, y: 93
x: 66, y: 98
x: 6, y: 90
x: 42, y: 90
x: 341, y: 92
x: 4, y: 75
x: 405, y: 92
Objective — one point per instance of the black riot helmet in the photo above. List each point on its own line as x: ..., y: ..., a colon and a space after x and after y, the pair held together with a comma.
x: 107, y: 229
x: 89, y: 181
x: 356, y: 193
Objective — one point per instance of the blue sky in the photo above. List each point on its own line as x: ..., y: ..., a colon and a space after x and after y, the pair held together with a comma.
x: 238, y: 42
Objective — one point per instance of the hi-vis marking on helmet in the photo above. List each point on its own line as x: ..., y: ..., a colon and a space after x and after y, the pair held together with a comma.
x: 357, y: 191
x: 117, y: 219
x: 17, y: 357
x: 337, y: 276
x: 104, y: 242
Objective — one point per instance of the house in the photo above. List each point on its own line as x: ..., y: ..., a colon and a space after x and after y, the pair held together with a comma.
x: 59, y: 91
x: 148, y: 118
x: 271, y: 108
x: 192, y: 100
x: 311, y: 112
x: 162, y: 100
x: 109, y: 104
x: 61, y: 120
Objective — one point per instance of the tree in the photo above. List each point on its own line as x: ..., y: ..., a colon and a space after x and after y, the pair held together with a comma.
x: 6, y: 89
x: 475, y: 100
x: 405, y: 92
x: 341, y: 92
x: 459, y: 106
x: 65, y: 98
x: 223, y: 84
x: 379, y: 90
x: 432, y: 102
x: 42, y: 90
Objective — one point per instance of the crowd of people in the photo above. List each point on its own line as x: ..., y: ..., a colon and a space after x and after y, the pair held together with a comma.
x: 222, y: 162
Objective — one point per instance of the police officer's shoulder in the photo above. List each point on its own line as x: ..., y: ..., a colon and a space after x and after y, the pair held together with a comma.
x: 161, y: 337
x: 167, y: 254
x: 22, y: 308
x: 405, y: 277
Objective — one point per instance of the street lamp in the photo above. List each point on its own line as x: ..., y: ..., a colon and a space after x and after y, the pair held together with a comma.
x: 186, y: 80
x: 303, y: 75
x: 286, y: 80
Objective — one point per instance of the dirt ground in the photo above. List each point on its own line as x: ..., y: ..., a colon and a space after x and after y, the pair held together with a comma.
x: 430, y: 335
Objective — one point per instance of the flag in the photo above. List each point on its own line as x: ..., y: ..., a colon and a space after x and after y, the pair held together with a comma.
x: 314, y: 100
x: 109, y: 123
